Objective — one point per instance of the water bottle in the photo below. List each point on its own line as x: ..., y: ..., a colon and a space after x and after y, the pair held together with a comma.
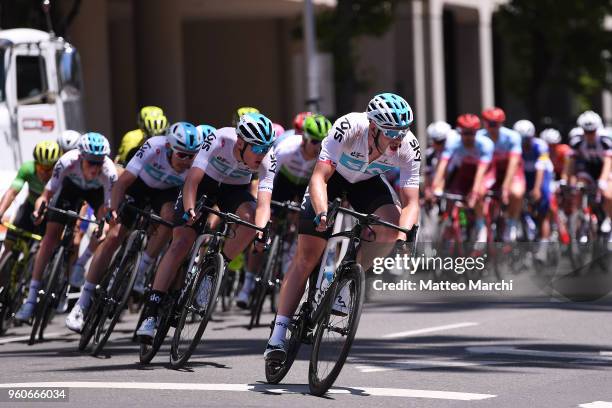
x: 328, y: 276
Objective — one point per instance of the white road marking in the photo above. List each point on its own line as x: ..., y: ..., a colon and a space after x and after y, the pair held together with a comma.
x: 373, y: 367
x: 291, y: 389
x: 508, y: 350
x: 26, y: 338
x: 605, y: 353
x: 596, y: 404
x: 428, y: 330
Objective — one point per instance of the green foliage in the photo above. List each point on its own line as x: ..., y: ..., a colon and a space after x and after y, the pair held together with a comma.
x: 556, y: 44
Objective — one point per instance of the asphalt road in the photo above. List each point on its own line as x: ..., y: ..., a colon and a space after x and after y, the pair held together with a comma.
x: 409, y: 354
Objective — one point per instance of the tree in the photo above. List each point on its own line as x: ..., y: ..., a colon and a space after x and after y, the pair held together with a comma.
x: 337, y: 30
x: 556, y: 44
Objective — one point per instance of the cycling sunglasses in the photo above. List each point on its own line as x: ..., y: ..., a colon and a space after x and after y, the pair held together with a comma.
x: 95, y: 163
x: 260, y: 149
x: 492, y: 124
x: 393, y: 133
x: 184, y: 156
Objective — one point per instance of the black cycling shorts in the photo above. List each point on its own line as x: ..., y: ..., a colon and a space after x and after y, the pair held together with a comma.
x: 140, y: 195
x: 285, y: 190
x: 71, y: 197
x: 227, y: 196
x: 364, y: 196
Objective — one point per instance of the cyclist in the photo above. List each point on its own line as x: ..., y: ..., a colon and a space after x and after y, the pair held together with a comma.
x: 361, y: 147
x: 505, y: 175
x: 35, y: 173
x: 296, y: 157
x: 151, y: 122
x: 152, y: 176
x: 463, y: 166
x: 222, y: 171
x: 83, y: 174
x: 206, y: 130
x: 437, y: 133
x: 68, y: 140
x: 539, y: 177
x: 238, y: 113
x: 591, y: 162
x: 559, y: 152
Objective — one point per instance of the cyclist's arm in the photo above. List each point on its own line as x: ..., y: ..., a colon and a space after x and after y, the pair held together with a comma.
x: 479, y: 177
x: 605, y: 170
x: 410, y: 208
x: 537, y: 185
x: 262, y: 213
x: 513, y: 163
x: 118, y: 192
x: 7, y: 200
x: 190, y: 189
x: 438, y: 181
x: 318, y: 186
x: 44, y: 197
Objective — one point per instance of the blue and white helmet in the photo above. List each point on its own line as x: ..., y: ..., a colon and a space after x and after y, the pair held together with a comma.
x: 256, y: 129
x: 206, y: 130
x: 525, y: 128
x: 94, y: 146
x: 184, y: 137
x: 390, y: 111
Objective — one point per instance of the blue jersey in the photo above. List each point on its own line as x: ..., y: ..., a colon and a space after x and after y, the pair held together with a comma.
x: 459, y: 155
x: 508, y: 144
x: 537, y: 157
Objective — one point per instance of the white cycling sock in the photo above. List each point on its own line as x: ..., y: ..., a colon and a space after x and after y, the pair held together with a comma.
x: 84, y: 257
x: 34, y: 286
x: 280, y: 329
x: 145, y: 262
x: 86, y: 295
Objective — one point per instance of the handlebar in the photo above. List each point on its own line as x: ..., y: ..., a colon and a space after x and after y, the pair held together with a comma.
x: 44, y: 208
x: 368, y: 220
x: 22, y: 232
x: 147, y: 213
x: 289, y: 205
x: 230, y: 218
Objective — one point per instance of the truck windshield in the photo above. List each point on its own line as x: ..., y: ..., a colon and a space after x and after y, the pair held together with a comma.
x: 69, y: 68
x: 2, y: 74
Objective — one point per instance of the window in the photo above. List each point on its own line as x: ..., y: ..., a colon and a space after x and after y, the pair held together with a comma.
x: 69, y: 69
x: 31, y: 76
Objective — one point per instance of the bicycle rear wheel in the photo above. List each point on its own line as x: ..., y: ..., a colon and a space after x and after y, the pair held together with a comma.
x: 262, y: 286
x: 117, y: 299
x: 334, y: 334
x: 44, y: 305
x: 187, y: 335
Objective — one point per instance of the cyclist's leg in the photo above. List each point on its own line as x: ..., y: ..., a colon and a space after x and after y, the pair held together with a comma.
x: 23, y: 221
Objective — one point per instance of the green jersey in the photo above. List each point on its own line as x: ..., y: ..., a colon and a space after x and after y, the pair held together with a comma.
x: 27, y: 174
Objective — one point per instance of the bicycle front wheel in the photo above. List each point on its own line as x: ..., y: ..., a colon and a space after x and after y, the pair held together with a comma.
x: 335, y: 330
x: 201, y: 302
x: 9, y: 292
x: 262, y: 286
x: 44, y: 307
x: 117, y: 298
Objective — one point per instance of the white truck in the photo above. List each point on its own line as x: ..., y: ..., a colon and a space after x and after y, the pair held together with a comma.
x: 40, y: 92
x: 40, y: 96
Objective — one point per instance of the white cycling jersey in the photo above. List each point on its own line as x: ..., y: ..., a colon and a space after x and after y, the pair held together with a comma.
x: 152, y: 164
x: 216, y: 159
x: 346, y: 148
x: 69, y: 166
x: 291, y: 161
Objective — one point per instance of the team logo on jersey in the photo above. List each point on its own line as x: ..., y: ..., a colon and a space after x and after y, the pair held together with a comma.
x: 341, y: 129
x: 357, y: 155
